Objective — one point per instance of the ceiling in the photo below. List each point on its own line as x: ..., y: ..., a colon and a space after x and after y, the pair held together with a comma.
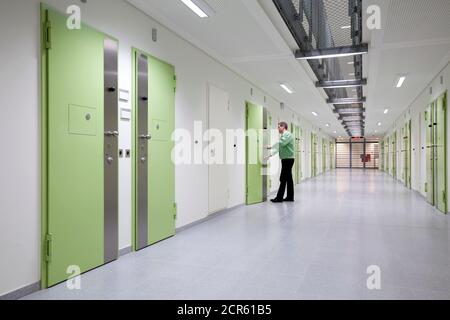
x: 414, y: 40
x: 250, y: 37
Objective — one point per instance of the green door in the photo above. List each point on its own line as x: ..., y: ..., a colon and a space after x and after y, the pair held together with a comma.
x: 314, y: 151
x: 324, y: 155
x: 79, y: 126
x: 298, y: 155
x: 316, y: 157
x: 331, y: 155
x: 394, y: 155
x: 441, y: 153
x: 296, y: 168
x: 254, y: 152
x: 407, y: 154
x: 154, y: 170
x: 268, y: 141
x: 404, y: 156
x: 301, y: 151
x: 386, y: 155
x: 312, y: 154
x: 429, y: 185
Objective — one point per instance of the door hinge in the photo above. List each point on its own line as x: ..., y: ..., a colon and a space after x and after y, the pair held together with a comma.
x: 48, y: 247
x: 175, y: 211
x: 444, y: 196
x: 426, y: 187
x: 175, y: 83
x: 48, y: 35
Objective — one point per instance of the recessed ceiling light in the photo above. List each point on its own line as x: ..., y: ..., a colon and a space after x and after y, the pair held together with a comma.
x: 287, y: 88
x: 334, y: 132
x: 379, y: 124
x: 315, y: 114
x: 195, y: 8
x: 327, y: 125
x: 386, y: 111
x: 400, y: 81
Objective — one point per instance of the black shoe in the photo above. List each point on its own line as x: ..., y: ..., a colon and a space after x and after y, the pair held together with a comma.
x: 289, y: 200
x: 276, y: 200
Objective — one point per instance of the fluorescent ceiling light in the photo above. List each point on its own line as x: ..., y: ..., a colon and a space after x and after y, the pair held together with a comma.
x: 337, y: 55
x: 195, y: 8
x: 351, y: 74
x: 315, y: 114
x: 346, y: 27
x: 386, y: 111
x: 351, y: 62
x: 400, y: 82
x: 287, y: 88
x: 348, y: 83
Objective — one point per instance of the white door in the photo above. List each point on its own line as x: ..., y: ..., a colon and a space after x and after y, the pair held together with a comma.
x: 218, y: 118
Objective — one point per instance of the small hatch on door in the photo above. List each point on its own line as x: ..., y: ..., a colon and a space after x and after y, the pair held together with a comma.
x: 82, y: 120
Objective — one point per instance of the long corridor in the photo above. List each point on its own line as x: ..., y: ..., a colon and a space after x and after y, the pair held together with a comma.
x: 319, y: 247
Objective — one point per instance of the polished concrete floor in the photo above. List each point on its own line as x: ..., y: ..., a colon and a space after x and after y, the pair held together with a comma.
x: 316, y: 248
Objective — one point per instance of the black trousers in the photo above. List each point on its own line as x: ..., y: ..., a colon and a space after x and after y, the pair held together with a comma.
x: 286, y: 179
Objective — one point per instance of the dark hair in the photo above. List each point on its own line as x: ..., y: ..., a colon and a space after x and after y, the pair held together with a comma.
x: 284, y: 125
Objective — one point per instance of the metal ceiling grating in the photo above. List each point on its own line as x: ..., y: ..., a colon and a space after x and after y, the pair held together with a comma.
x: 328, y: 20
x: 330, y: 25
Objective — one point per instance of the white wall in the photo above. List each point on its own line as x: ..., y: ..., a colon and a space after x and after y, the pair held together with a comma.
x: 20, y: 131
x: 415, y: 113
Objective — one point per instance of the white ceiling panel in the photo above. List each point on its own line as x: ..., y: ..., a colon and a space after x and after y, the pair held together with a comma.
x: 230, y: 32
x: 411, y: 20
x: 414, y: 41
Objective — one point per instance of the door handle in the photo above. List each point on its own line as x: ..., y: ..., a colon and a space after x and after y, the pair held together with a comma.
x: 112, y: 133
x: 109, y: 160
x: 145, y: 136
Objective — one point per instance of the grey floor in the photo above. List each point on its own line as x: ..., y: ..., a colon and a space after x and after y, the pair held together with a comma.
x: 316, y: 248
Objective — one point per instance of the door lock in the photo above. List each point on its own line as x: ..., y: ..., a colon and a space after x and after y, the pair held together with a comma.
x: 146, y: 136
x: 112, y: 133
